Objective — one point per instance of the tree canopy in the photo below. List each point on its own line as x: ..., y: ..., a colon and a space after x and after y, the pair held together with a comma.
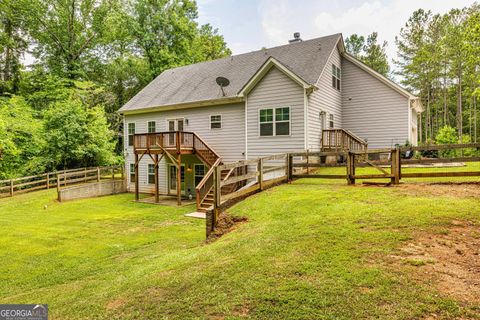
x: 90, y: 57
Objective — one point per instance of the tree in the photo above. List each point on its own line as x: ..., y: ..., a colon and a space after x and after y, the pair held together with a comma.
x: 67, y: 32
x: 12, y: 46
x: 370, y: 52
x: 76, y: 136
x: 167, y: 35
x: 21, y: 139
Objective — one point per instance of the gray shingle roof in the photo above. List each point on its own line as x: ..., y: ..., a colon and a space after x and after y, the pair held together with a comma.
x: 196, y: 82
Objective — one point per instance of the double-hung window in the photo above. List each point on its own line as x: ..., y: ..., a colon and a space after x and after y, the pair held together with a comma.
x: 131, y: 133
x: 199, y: 173
x: 216, y: 122
x: 132, y: 172
x: 275, y: 122
x: 336, y: 76
x: 331, y: 121
x: 151, y: 173
x: 152, y: 126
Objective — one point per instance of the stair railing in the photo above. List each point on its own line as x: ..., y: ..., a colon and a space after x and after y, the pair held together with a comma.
x: 206, y: 184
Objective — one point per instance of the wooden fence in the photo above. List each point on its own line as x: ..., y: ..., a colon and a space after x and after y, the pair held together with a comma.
x: 268, y: 171
x: 58, y: 179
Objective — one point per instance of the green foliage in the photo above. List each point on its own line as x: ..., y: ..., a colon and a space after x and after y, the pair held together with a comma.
x: 370, y: 52
x: 21, y: 139
x: 77, y: 136
x: 447, y: 135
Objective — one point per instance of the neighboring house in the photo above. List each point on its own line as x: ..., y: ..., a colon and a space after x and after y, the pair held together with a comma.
x: 278, y: 100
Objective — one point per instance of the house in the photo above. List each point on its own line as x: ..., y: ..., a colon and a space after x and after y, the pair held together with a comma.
x: 287, y: 98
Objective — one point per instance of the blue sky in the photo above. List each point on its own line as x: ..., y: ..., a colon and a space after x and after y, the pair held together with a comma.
x: 249, y: 25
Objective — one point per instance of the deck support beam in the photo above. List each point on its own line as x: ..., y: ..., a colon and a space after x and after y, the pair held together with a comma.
x: 156, y: 177
x: 136, y: 177
x: 179, y: 179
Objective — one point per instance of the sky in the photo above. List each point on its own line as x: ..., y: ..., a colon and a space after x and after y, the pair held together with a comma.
x: 249, y: 25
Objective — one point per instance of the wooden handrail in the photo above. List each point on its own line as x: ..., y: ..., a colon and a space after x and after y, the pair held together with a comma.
x: 209, y: 173
x: 342, y: 139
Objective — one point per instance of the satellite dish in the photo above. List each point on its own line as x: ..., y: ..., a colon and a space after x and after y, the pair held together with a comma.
x: 222, y: 82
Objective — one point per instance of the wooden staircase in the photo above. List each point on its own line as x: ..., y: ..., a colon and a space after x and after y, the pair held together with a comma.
x: 342, y: 140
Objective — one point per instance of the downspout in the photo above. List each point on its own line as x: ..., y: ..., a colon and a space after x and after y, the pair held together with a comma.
x: 246, y: 127
x: 305, y: 117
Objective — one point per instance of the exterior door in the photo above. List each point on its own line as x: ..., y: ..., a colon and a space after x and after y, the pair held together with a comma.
x: 172, y: 181
x: 174, y: 125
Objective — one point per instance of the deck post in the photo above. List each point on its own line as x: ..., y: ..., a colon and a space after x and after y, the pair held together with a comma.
x: 308, y: 162
x: 136, y: 177
x: 179, y: 177
x: 156, y: 178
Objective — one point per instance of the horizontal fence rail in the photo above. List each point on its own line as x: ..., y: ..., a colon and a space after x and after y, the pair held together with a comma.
x: 58, y: 179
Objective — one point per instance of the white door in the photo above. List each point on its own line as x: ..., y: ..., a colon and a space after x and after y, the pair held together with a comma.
x: 172, y: 181
x: 174, y: 125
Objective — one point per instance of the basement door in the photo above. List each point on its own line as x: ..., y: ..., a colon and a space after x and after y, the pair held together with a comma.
x: 172, y: 179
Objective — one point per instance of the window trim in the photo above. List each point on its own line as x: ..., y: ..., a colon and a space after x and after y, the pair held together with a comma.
x: 337, y: 74
x: 274, y: 122
x: 154, y: 126
x: 131, y: 134
x: 150, y: 174
x: 331, y: 121
x: 195, y: 165
x: 132, y: 173
x: 221, y: 121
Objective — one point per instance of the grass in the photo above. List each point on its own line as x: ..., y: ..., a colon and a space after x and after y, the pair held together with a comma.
x: 309, y: 250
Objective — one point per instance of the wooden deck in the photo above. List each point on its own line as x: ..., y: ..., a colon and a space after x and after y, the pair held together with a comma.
x: 342, y: 140
x: 170, y: 144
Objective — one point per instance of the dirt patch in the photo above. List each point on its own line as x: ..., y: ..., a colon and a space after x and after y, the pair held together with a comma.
x: 226, y: 223
x: 115, y: 304
x: 448, y: 257
x: 457, y: 190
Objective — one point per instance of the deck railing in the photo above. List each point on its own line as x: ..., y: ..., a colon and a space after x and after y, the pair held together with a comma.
x: 176, y: 141
x: 342, y: 139
x: 206, y: 184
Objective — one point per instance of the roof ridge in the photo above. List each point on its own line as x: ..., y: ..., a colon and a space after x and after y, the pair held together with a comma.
x: 251, y: 52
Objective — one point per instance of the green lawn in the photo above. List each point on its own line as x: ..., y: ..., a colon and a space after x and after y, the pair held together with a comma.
x: 309, y: 250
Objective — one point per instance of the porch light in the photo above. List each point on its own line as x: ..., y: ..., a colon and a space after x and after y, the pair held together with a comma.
x: 189, y: 168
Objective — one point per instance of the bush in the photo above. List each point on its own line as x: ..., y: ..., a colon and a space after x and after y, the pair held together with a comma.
x: 447, y: 135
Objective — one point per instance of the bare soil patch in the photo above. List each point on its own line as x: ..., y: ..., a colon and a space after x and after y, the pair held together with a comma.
x: 457, y: 190
x: 449, y: 258
x: 226, y: 223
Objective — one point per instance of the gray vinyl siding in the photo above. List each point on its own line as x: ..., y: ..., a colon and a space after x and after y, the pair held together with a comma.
x: 273, y: 91
x: 228, y: 142
x: 327, y: 99
x: 372, y: 110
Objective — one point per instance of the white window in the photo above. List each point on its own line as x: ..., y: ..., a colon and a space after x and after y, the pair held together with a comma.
x: 152, y: 126
x: 331, y: 122
x: 216, y: 122
x: 131, y: 132
x: 132, y: 172
x: 199, y: 173
x: 336, y: 76
x: 275, y: 122
x: 151, y: 173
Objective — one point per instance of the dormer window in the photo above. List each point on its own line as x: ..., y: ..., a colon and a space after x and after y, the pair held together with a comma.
x: 336, y: 76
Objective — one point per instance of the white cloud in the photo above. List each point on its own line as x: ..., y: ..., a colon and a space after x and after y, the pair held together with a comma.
x: 280, y: 18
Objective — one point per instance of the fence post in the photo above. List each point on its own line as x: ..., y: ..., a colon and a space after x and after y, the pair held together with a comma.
x: 260, y: 173
x: 48, y: 180
x: 11, y: 187
x: 393, y: 166
x: 65, y: 177
x: 58, y: 185
x: 122, y: 172
x: 98, y: 174
x: 308, y: 162
x: 290, y: 167
x: 287, y: 170
x: 350, y: 168
x: 113, y: 173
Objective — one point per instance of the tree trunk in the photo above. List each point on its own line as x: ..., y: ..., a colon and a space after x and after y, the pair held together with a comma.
x: 459, y: 107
